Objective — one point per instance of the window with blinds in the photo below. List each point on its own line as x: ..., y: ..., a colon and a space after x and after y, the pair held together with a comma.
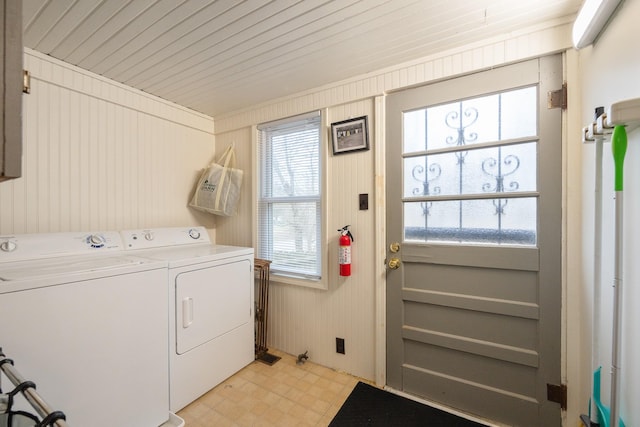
x: 289, y: 196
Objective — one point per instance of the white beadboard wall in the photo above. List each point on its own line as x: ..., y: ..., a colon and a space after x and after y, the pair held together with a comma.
x: 99, y: 155
x: 236, y: 230
x: 308, y: 319
x: 300, y: 318
x: 524, y: 44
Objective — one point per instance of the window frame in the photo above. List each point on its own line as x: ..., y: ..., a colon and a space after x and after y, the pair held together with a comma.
x: 279, y: 277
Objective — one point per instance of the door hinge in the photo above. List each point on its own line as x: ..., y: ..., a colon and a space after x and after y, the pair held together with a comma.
x: 557, y: 393
x: 26, y: 81
x: 557, y: 98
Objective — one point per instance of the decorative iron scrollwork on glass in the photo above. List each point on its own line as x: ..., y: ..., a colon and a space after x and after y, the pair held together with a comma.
x: 496, y: 169
x: 499, y: 169
x: 465, y: 169
x: 460, y: 121
x: 425, y: 176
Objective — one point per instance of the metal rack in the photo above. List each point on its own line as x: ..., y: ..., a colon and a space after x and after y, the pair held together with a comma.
x: 28, y: 390
x: 262, y: 267
x: 625, y: 113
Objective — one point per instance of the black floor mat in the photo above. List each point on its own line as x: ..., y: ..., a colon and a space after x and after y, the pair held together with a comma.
x: 371, y: 406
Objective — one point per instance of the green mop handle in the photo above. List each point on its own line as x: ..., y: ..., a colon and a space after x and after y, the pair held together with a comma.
x: 619, y: 148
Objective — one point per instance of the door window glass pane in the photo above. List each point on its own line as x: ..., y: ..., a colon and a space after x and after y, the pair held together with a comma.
x: 494, y: 117
x: 491, y: 221
x: 509, y: 169
x: 489, y: 170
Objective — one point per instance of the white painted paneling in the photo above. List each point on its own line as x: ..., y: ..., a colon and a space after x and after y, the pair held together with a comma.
x: 219, y: 56
x: 302, y: 319
x: 101, y: 156
x: 480, y: 55
x: 350, y: 302
x: 236, y: 230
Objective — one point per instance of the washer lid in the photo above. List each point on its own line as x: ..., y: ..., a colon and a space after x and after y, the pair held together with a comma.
x: 179, y: 256
x: 65, y: 266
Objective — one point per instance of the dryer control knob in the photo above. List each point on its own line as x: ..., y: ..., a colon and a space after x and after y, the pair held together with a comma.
x: 96, y: 241
x: 8, y: 246
x: 148, y: 236
x: 194, y: 234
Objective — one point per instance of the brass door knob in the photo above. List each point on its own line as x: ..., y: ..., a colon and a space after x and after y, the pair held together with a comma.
x: 394, y: 247
x: 394, y: 263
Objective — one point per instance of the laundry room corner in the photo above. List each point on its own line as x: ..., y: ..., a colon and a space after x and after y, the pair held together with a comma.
x: 305, y: 318
x: 237, y: 229
x: 608, y: 74
x: 99, y: 155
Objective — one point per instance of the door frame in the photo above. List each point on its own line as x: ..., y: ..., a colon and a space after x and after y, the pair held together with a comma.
x: 380, y: 223
x: 380, y: 226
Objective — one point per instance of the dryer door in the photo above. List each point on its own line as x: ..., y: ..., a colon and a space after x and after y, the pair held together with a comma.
x: 211, y: 301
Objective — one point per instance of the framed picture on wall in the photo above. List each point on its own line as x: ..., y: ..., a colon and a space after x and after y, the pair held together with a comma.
x: 350, y: 135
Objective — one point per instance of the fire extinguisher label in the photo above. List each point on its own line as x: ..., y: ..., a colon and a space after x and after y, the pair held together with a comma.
x: 344, y: 255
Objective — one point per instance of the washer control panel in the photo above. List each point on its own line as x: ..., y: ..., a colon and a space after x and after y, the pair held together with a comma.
x: 33, y: 246
x: 161, y: 237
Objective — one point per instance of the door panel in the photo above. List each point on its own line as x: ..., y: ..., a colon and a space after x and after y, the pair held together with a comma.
x: 461, y: 393
x: 474, y: 198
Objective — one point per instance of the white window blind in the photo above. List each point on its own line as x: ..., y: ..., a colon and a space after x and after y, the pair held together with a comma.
x: 289, y: 198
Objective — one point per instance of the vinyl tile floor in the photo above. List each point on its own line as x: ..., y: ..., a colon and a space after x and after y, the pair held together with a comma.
x: 283, y: 394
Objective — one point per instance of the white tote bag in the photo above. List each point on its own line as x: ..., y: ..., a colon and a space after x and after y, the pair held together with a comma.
x: 218, y: 188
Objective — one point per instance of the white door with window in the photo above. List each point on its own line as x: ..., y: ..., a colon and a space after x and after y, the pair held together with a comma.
x: 474, y: 231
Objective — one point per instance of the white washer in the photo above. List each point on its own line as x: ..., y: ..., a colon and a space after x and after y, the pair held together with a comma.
x: 211, y: 313
x: 88, y: 324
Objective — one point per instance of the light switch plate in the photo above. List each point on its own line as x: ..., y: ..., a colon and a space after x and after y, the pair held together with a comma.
x: 363, y: 200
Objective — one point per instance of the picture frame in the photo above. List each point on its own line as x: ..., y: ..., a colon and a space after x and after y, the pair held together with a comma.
x: 350, y: 135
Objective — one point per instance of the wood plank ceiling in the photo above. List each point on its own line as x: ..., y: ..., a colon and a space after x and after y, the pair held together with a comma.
x: 221, y: 56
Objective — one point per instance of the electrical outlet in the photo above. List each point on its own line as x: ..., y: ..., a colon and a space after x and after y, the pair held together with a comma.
x: 340, y: 345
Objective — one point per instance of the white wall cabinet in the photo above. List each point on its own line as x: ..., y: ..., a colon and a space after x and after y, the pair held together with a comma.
x: 11, y: 89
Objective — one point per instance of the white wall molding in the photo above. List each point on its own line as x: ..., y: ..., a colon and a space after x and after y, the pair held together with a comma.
x: 380, y: 251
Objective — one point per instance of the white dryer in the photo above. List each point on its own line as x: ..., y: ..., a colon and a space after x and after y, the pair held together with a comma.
x: 211, y: 310
x: 88, y: 324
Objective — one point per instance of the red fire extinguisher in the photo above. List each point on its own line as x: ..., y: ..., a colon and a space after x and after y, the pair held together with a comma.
x: 344, y: 251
